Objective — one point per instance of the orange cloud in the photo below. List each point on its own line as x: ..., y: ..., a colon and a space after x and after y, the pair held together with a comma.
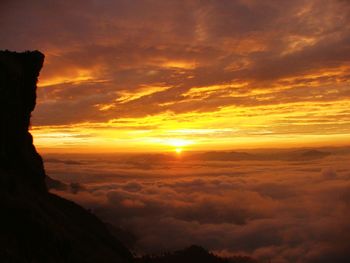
x: 264, y: 70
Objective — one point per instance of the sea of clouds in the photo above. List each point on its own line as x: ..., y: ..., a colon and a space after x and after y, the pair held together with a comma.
x: 284, y: 209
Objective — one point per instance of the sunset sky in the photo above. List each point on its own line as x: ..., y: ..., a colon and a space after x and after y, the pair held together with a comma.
x: 185, y: 75
x: 138, y: 99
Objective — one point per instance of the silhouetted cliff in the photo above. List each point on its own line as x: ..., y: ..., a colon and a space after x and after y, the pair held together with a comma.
x: 36, y: 226
x: 18, y: 157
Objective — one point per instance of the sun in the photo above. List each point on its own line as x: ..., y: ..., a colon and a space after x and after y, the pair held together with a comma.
x: 178, y: 150
x: 178, y: 143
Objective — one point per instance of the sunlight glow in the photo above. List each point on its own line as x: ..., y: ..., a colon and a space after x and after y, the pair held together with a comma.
x: 76, y: 76
x: 179, y: 64
x: 205, y: 130
x: 179, y: 142
x: 178, y: 150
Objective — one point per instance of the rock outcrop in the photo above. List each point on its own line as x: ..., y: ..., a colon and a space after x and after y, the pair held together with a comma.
x: 18, y: 157
x: 35, y: 225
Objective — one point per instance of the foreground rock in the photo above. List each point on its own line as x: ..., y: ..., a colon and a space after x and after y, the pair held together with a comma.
x: 36, y: 226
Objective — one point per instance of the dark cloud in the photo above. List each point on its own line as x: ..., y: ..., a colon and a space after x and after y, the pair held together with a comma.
x: 96, y: 51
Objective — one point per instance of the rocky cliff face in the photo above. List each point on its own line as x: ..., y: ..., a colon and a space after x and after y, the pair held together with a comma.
x: 18, y: 157
x: 36, y: 226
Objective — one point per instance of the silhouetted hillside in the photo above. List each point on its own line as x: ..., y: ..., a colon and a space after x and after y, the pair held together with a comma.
x: 191, y: 255
x: 224, y: 156
x: 36, y: 226
x: 298, y: 155
x: 312, y: 154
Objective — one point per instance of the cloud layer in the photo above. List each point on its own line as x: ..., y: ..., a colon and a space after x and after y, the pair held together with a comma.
x: 286, y: 211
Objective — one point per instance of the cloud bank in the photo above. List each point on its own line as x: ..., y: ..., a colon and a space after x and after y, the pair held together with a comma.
x: 286, y: 211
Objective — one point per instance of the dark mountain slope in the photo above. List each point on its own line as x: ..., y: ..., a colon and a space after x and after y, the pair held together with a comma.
x: 36, y: 226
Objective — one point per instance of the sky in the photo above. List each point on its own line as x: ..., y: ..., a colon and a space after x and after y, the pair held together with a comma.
x: 185, y: 75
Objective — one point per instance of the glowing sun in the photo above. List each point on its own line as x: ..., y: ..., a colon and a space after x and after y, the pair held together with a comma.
x: 178, y: 150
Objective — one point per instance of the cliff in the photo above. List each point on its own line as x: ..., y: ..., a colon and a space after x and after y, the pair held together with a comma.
x: 18, y: 157
x: 35, y: 225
